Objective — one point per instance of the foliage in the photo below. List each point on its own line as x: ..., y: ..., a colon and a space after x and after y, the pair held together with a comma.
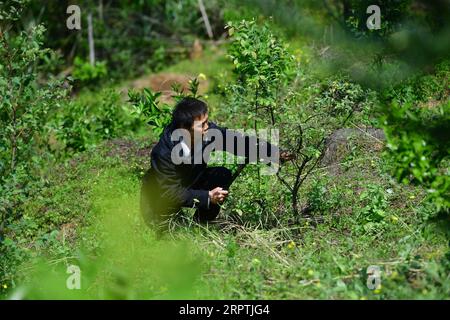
x: 421, y: 88
x: 309, y: 232
x: 91, y: 118
x: 88, y: 74
x: 321, y: 197
x: 372, y: 215
x: 416, y: 121
x: 147, y: 106
x: 131, y: 37
x: 354, y: 16
x: 341, y: 97
x: 26, y: 106
x: 39, y: 125
x: 193, y: 86
x: 326, y: 260
x: 306, y: 115
x: 262, y: 65
x: 312, y: 114
x: 421, y: 154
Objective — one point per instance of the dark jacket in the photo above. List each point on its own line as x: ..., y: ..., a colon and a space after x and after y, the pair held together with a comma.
x: 171, y: 183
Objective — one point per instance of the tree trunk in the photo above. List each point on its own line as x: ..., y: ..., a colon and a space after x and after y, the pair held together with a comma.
x: 100, y: 9
x: 295, y: 202
x: 14, y: 139
x: 91, y: 40
x: 205, y: 19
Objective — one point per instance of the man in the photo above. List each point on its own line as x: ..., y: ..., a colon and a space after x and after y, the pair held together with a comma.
x: 179, y: 176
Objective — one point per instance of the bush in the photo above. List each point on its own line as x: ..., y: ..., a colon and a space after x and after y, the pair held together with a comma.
x: 91, y: 118
x: 85, y: 73
x: 272, y: 91
x: 421, y: 152
x: 422, y: 88
x: 341, y: 96
x: 372, y: 216
x: 321, y: 198
x: 26, y: 105
x: 262, y: 65
x: 147, y: 108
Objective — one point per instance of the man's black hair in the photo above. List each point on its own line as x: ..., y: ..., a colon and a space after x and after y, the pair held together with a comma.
x: 186, y: 111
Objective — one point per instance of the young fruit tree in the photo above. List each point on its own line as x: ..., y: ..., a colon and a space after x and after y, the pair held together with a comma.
x: 273, y: 92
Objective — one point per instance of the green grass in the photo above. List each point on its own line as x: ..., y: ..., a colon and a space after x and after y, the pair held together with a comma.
x: 211, y: 63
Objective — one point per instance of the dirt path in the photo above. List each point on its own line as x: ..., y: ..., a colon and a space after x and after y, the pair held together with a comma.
x: 163, y: 82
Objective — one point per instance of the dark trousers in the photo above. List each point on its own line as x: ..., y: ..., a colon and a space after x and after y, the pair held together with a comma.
x: 157, y: 216
x: 211, y: 178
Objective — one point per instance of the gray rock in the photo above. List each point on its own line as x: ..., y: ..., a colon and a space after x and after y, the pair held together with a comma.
x: 337, y: 144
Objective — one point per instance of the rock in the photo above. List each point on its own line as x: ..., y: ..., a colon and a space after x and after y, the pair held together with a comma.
x: 338, y: 144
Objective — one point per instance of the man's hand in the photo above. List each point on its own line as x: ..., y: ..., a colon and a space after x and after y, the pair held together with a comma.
x: 286, y: 156
x: 217, y: 195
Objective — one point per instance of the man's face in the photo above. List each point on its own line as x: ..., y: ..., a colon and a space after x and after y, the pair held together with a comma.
x: 199, y: 128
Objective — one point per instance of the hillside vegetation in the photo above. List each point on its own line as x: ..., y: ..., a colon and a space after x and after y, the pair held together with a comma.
x: 368, y: 189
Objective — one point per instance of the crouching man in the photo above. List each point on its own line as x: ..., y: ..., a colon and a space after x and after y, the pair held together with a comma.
x: 179, y: 176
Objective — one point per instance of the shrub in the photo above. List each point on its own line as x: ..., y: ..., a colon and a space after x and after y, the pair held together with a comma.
x: 262, y: 65
x: 91, y: 118
x: 25, y: 108
x: 373, y: 214
x: 149, y: 110
x: 147, y: 107
x: 85, y: 73
x: 421, y: 152
x: 341, y: 96
x: 271, y: 90
x: 422, y: 87
x: 321, y: 197
x: 26, y: 105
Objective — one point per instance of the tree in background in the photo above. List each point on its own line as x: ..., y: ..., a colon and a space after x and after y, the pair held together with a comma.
x: 131, y: 37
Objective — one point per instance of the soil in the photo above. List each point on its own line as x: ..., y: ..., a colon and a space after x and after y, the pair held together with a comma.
x: 163, y: 82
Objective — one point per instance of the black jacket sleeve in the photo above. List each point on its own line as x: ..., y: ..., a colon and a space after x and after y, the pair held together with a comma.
x: 171, y: 188
x: 252, y: 145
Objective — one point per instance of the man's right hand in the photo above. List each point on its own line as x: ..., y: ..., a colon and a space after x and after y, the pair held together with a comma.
x: 217, y: 195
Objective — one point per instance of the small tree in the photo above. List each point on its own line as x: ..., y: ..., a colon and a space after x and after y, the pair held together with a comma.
x: 311, y: 116
x: 263, y: 66
x: 269, y: 91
